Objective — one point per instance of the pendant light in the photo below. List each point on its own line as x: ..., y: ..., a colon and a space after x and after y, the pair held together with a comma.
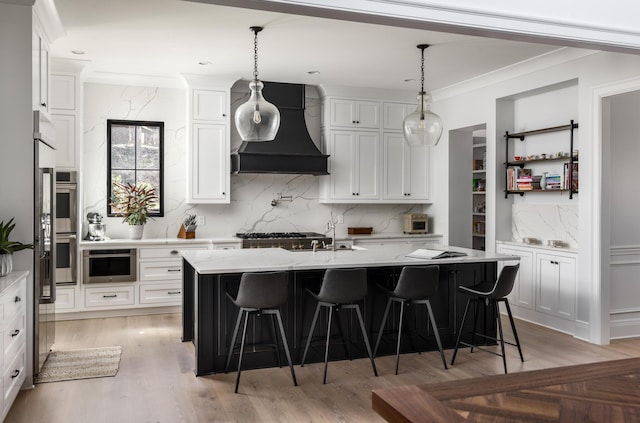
x: 422, y: 127
x: 257, y: 120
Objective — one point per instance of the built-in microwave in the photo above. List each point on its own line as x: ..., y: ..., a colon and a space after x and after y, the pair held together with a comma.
x: 109, y: 265
x: 415, y: 223
x: 66, y: 202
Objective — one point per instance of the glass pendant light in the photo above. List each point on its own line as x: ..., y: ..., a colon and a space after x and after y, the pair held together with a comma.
x: 257, y: 120
x: 422, y: 127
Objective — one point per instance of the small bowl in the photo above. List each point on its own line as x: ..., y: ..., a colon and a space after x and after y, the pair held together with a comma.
x: 556, y: 243
x: 530, y: 240
x: 517, y: 158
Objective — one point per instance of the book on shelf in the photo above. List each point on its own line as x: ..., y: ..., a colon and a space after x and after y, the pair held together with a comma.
x: 516, y: 176
x: 424, y: 253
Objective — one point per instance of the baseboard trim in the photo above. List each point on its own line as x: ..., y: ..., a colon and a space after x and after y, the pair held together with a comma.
x: 97, y: 314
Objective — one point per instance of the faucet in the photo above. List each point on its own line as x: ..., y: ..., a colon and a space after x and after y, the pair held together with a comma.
x: 314, y: 244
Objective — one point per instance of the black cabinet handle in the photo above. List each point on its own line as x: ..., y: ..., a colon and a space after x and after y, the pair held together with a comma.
x: 110, y: 296
x: 174, y: 270
x: 15, y: 374
x: 224, y: 115
x: 43, y: 104
x: 15, y: 333
x: 174, y: 292
x: 353, y: 121
x: 174, y: 252
x: 17, y: 299
x: 224, y: 193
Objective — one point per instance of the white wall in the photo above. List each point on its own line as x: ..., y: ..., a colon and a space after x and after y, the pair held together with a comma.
x: 251, y: 194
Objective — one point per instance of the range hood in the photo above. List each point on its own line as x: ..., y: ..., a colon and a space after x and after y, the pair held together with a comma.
x: 293, y: 150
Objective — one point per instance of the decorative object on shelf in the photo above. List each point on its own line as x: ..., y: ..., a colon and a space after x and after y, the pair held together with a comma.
x: 422, y: 127
x: 531, y: 241
x: 556, y: 243
x: 8, y: 247
x: 133, y: 202
x: 188, y: 227
x: 543, y: 181
x: 359, y: 230
x: 257, y: 120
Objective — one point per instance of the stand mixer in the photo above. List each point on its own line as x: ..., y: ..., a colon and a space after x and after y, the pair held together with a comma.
x: 96, y: 227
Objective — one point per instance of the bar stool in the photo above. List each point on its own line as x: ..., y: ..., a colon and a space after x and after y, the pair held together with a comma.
x: 490, y: 294
x: 415, y: 286
x: 340, y: 289
x: 258, y: 294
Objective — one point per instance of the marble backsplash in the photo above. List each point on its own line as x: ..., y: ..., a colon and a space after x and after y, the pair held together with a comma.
x: 251, y: 194
x: 545, y: 222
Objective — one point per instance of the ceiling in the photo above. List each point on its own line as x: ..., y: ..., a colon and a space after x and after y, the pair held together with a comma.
x: 166, y: 38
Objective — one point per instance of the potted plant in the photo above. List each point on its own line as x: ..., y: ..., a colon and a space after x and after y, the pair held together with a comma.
x: 8, y: 247
x: 133, y: 202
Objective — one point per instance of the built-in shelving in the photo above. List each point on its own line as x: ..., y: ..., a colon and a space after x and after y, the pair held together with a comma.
x: 479, y: 171
x: 571, y: 159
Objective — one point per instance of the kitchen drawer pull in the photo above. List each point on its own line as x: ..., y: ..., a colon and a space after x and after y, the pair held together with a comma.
x: 15, y: 333
x: 15, y: 374
x: 17, y: 299
x: 174, y: 292
x: 174, y: 270
x: 110, y: 296
x: 174, y: 252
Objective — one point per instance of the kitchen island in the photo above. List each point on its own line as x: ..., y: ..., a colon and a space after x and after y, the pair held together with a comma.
x: 210, y: 277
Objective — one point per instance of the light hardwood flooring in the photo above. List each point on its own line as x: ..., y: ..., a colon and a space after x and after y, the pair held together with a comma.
x: 156, y: 383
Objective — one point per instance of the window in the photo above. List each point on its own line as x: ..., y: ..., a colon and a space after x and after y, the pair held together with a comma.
x: 135, y: 155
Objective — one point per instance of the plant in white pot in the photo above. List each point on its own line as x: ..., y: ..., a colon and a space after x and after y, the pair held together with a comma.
x: 133, y: 202
x: 8, y: 247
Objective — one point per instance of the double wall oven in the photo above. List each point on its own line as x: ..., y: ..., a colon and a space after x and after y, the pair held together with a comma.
x: 66, y: 228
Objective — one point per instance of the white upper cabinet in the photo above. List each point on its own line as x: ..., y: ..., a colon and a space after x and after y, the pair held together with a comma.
x: 393, y: 115
x: 405, y: 170
x: 209, y: 146
x: 65, y: 117
x: 63, y: 92
x: 40, y: 71
x: 65, y: 127
x: 354, y: 113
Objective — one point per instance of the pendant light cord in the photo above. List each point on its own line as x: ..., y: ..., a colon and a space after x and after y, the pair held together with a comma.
x: 422, y: 47
x: 255, y: 55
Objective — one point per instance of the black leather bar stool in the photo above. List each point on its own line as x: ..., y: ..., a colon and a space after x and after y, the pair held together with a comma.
x: 491, y: 294
x: 258, y: 294
x: 415, y: 286
x: 341, y: 289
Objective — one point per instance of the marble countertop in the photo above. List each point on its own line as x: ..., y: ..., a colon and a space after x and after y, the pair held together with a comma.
x: 121, y: 242
x: 276, y: 259
x: 386, y: 236
x: 540, y: 247
x: 11, y: 278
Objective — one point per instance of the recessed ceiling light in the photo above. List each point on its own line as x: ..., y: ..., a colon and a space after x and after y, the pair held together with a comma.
x: 204, y: 63
x: 314, y: 72
x: 78, y: 52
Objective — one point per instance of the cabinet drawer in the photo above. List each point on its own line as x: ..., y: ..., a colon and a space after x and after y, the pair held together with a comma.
x: 14, y: 337
x: 160, y: 270
x: 161, y: 293
x: 166, y: 252
x: 65, y: 298
x: 109, y: 296
x: 14, y: 300
x: 13, y: 377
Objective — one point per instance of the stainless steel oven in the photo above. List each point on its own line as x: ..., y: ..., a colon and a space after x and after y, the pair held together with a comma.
x: 66, y: 257
x: 66, y: 202
x: 109, y: 265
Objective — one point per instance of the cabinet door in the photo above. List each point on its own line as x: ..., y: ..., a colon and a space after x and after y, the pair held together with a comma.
x: 208, y: 164
x: 65, y: 127
x: 367, y: 166
x: 419, y: 173
x: 556, y: 285
x: 342, y: 113
x: 368, y: 114
x: 393, y: 115
x: 40, y: 73
x: 210, y: 105
x: 567, y: 287
x: 395, y: 179
x: 522, y: 293
x: 63, y: 92
x: 547, y: 284
x: 342, y: 184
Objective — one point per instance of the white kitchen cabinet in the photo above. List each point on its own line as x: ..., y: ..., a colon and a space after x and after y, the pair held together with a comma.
x: 63, y: 92
x: 65, y: 127
x: 65, y: 298
x: 393, y: 115
x: 208, y: 164
x: 209, y: 152
x: 161, y: 293
x: 209, y: 105
x: 556, y: 293
x: 13, y: 337
x: 109, y: 296
x: 40, y: 70
x: 523, y: 289
x: 405, y: 176
x: 354, y: 167
x: 360, y: 114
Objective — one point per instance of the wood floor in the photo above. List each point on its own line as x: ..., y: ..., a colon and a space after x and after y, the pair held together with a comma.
x: 156, y: 381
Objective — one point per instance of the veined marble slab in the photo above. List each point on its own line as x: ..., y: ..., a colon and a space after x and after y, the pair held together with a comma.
x: 545, y: 222
x: 277, y: 259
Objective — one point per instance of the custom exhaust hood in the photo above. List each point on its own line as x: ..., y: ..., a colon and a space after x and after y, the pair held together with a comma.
x: 292, y: 151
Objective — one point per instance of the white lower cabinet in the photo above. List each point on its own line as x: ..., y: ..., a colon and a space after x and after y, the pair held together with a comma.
x: 13, y: 337
x: 161, y: 293
x: 65, y: 298
x: 545, y: 289
x: 111, y: 296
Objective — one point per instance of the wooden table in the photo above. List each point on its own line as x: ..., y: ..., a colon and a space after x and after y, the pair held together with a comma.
x: 597, y: 392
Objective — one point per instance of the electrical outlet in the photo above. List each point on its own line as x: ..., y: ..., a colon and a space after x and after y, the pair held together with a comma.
x: 201, y: 221
x: 341, y: 218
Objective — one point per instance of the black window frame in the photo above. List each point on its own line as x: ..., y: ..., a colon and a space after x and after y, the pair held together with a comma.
x: 160, y: 125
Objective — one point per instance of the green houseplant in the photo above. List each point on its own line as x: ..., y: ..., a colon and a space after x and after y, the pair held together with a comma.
x: 133, y: 202
x: 8, y: 247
